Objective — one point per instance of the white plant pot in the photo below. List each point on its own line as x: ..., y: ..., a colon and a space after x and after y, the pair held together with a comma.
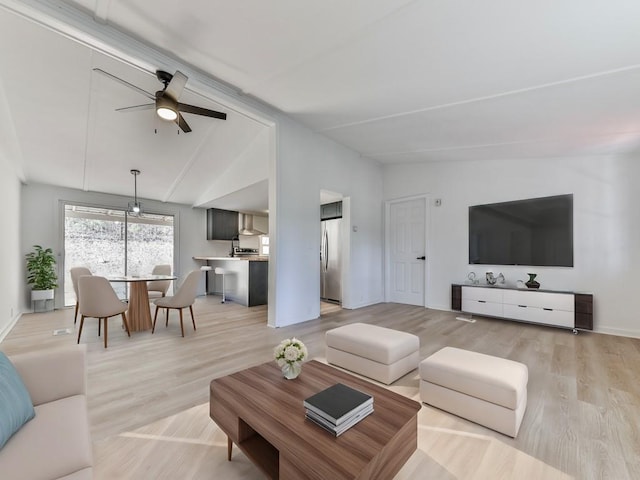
x: 41, y: 295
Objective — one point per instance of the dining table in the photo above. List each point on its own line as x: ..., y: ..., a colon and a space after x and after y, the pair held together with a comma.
x: 139, y: 312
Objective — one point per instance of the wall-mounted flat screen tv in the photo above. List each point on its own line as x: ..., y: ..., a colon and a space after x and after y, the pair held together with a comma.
x: 536, y: 232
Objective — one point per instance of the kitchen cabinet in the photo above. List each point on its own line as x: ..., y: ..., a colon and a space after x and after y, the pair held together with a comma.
x: 246, y: 279
x: 221, y: 224
x: 332, y: 210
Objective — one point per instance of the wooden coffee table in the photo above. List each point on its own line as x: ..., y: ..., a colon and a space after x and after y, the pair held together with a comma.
x: 262, y: 413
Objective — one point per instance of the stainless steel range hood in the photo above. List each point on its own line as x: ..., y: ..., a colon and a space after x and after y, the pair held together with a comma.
x: 245, y: 225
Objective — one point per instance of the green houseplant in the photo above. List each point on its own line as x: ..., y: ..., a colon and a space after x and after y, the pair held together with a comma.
x: 41, y: 273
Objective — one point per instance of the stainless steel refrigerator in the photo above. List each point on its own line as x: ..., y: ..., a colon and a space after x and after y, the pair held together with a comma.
x: 330, y: 261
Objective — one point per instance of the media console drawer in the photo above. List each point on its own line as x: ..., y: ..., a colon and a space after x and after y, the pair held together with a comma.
x: 482, y: 307
x: 547, y: 316
x: 555, y: 301
x: 484, y: 294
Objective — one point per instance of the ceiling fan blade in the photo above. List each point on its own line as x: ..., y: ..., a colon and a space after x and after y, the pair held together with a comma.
x: 124, y: 82
x: 136, y: 108
x: 176, y: 85
x: 182, y: 123
x: 183, y: 107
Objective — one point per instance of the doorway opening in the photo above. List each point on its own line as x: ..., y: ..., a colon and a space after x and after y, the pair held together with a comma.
x: 332, y: 232
x: 110, y: 242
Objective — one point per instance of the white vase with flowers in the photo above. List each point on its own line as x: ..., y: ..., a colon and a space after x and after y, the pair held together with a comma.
x: 289, y: 355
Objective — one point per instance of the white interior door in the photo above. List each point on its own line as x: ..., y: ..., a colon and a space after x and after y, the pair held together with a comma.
x: 407, y: 251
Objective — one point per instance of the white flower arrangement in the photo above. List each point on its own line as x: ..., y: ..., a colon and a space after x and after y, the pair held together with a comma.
x: 290, y: 350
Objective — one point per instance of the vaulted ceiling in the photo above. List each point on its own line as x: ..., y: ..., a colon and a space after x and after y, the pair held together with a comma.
x: 396, y: 80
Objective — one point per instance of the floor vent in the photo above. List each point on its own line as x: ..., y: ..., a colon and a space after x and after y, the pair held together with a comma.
x: 62, y: 331
x: 470, y: 320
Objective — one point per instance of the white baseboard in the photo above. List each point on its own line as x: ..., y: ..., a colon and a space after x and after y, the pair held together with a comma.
x: 444, y: 308
x: 5, y: 331
x: 619, y: 332
x: 363, y: 304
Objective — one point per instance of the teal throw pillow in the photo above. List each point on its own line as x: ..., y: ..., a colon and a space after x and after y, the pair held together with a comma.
x: 16, y: 407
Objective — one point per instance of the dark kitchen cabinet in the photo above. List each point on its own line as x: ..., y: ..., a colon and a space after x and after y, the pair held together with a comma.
x: 331, y: 210
x: 221, y: 224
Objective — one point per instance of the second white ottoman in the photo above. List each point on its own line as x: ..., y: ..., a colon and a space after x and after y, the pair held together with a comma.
x: 375, y: 352
x: 488, y: 390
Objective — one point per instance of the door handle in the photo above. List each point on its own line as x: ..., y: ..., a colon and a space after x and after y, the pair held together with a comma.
x: 326, y: 251
x: 421, y: 258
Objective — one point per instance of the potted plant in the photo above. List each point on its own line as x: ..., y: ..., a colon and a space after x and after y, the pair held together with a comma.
x: 41, y: 273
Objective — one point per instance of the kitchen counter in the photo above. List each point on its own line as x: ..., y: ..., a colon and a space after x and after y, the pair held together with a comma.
x: 250, y: 258
x: 245, y: 280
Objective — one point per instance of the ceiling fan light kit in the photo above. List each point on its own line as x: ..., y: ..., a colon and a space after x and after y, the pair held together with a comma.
x: 135, y: 207
x: 166, y: 113
x: 166, y: 100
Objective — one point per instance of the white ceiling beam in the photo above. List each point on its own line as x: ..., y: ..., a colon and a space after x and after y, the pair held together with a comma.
x: 76, y: 25
x: 101, y: 11
x: 481, y: 99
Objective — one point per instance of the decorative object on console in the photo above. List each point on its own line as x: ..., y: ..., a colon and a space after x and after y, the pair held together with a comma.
x: 500, y: 279
x: 491, y: 280
x: 532, y: 283
x: 471, y: 279
x: 289, y: 355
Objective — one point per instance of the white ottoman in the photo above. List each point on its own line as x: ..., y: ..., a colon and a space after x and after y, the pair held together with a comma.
x: 487, y: 390
x: 375, y: 352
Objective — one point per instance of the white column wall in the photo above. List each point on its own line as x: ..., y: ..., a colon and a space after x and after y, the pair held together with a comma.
x: 306, y: 163
x: 12, y: 280
x: 606, y: 225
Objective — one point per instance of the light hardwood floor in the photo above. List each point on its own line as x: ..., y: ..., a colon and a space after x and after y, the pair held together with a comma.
x: 148, y: 394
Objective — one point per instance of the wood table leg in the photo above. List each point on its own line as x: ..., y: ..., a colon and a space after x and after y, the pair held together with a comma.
x: 229, y: 448
x: 139, y: 313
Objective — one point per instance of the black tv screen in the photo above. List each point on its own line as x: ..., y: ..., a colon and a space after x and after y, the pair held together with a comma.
x: 536, y: 232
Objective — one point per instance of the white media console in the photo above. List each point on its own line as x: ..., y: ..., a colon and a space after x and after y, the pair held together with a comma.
x: 546, y: 307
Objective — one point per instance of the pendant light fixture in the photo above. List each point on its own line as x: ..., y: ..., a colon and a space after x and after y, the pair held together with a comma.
x: 135, y: 207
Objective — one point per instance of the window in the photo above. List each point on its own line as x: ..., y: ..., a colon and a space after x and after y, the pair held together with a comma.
x: 264, y: 245
x: 110, y: 242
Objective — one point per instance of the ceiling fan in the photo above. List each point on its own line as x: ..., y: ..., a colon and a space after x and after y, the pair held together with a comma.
x: 166, y: 100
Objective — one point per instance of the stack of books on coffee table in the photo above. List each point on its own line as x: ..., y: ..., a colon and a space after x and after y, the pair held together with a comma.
x: 338, y: 408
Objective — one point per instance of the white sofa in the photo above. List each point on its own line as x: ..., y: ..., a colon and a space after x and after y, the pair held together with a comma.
x: 56, y: 443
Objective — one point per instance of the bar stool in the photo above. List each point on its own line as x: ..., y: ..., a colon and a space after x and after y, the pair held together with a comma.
x: 206, y: 269
x: 220, y: 271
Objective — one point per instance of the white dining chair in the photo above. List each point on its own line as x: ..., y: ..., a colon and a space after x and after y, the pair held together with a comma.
x: 184, y: 297
x: 75, y: 273
x: 99, y: 300
x: 158, y: 288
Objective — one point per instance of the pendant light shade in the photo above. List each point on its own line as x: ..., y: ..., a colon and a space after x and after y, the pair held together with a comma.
x: 135, y: 207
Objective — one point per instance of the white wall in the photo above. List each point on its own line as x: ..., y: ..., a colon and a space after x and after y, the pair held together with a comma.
x: 606, y: 225
x: 307, y: 163
x: 42, y: 225
x: 12, y: 280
